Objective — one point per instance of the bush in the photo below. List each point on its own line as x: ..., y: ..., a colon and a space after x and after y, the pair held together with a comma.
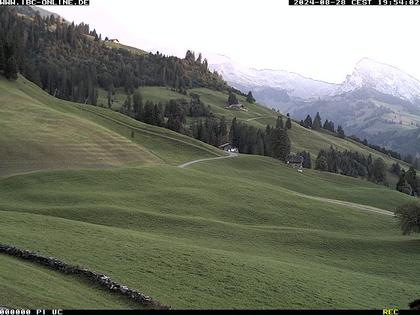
x: 409, y: 217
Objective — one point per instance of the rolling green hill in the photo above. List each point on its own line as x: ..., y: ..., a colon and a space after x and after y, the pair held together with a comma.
x: 260, y: 116
x: 42, y: 132
x: 219, y: 235
x: 30, y: 286
x: 244, y: 232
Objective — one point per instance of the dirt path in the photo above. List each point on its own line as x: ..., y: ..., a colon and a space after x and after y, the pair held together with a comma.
x: 230, y: 155
x: 346, y: 203
x: 327, y: 200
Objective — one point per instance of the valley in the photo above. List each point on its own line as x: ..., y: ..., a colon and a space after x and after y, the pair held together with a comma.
x: 154, y: 171
x: 377, y: 101
x: 252, y: 227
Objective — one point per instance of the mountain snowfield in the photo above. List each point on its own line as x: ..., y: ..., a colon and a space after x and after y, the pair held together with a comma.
x: 294, y: 84
x: 367, y: 74
x: 376, y: 101
x: 382, y: 78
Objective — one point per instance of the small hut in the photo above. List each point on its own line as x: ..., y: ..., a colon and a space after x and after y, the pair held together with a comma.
x: 228, y: 148
x: 296, y: 161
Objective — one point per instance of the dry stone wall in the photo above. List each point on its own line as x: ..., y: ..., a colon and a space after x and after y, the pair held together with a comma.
x: 94, y: 277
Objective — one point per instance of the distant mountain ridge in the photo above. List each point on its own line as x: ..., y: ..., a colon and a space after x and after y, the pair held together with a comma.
x: 295, y: 85
x: 367, y: 73
x: 376, y: 101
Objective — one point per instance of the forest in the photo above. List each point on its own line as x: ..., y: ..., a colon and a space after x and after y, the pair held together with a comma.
x: 71, y: 61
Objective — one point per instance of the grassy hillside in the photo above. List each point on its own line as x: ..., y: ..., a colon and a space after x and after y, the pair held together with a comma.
x: 239, y: 230
x: 247, y: 232
x: 260, y: 116
x: 30, y: 286
x: 133, y: 50
x: 41, y: 132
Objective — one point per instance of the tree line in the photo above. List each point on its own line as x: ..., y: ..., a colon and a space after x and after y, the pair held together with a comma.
x: 207, y: 127
x: 71, y: 61
x: 383, y: 150
x: 352, y: 164
x: 408, y: 181
x: 316, y: 124
x: 273, y: 141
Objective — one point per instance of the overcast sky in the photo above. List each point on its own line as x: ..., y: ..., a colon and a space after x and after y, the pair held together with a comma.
x: 320, y: 42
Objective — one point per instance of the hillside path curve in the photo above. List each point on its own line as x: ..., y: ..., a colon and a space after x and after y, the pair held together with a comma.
x: 230, y: 155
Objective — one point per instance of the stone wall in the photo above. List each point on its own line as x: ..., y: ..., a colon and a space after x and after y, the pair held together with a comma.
x: 94, y: 277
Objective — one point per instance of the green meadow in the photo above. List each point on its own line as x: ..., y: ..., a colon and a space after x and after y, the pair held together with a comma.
x: 244, y: 232
x: 260, y: 116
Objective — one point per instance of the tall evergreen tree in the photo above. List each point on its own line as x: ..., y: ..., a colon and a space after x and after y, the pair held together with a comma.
x: 317, y: 125
x: 340, y: 132
x: 321, y: 162
x: 11, y: 69
x: 234, y: 133
x: 280, y: 144
x: 232, y: 98
x: 2, y: 56
x: 222, y: 130
x: 137, y: 103
x: 307, y: 123
x: 158, y: 118
x: 268, y: 145
x: 410, y: 177
x: 402, y: 184
x: 288, y: 123
x: 148, y: 115
x: 110, y: 95
x: 379, y: 170
x: 250, y: 98
x: 279, y: 122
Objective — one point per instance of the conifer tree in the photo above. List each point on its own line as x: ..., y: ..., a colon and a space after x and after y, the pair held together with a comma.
x: 288, y: 123
x: 11, y: 69
x: 280, y: 144
x: 316, y: 125
x: 110, y: 95
x: 137, y: 103
x: 340, y: 132
x: 402, y: 184
x: 379, y: 170
x: 2, y: 56
x: 148, y: 116
x: 232, y: 99
x: 321, y: 162
x: 279, y: 122
x: 234, y: 133
x: 250, y: 98
x: 410, y: 177
x: 307, y: 123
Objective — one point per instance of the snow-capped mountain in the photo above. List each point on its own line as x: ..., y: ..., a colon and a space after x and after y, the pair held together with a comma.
x: 294, y: 84
x: 376, y: 101
x: 367, y: 73
x: 382, y: 78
